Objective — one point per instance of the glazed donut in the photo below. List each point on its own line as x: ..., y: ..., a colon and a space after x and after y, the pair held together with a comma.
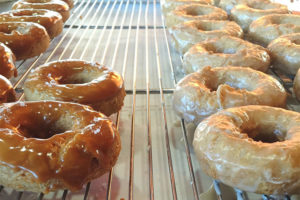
x: 194, y: 12
x: 225, y: 51
x: 227, y: 5
x: 209, y: 90
x: 50, y: 145
x: 50, y: 20
x: 187, y: 34
x: 7, y: 60
x: 296, y: 85
x: 285, y: 53
x: 54, y: 5
x: 170, y: 5
x: 77, y: 81
x: 7, y: 92
x: 25, y: 39
x: 275, y: 26
x: 245, y: 14
x: 253, y: 148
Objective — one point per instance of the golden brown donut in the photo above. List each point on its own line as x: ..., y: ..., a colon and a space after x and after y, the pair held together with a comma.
x: 77, y: 81
x: 7, y: 62
x: 50, y: 145
x: 54, y: 5
x: 253, y: 148
x: 186, y: 34
x: 296, y: 85
x: 285, y: 53
x: 225, y: 51
x: 50, y: 20
x: 25, y: 39
x: 194, y: 12
x: 267, y: 28
x: 245, y: 14
x: 209, y: 90
x: 7, y: 92
x: 170, y: 5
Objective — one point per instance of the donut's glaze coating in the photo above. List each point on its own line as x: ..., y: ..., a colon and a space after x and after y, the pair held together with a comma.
x: 25, y: 39
x: 55, y: 145
x: 7, y: 92
x: 50, y: 20
x: 253, y: 148
x: 7, y: 60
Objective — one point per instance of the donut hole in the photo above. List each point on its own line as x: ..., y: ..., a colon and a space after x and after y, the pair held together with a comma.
x: 260, y: 6
x: 209, y: 27
x: 76, y: 78
x: 266, y: 134
x: 296, y: 41
x: 38, y: 126
x: 194, y: 11
x: 220, y: 49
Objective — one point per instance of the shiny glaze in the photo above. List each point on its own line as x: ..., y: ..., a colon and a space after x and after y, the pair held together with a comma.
x: 7, y: 60
x: 7, y: 92
x: 54, y: 5
x: 25, y: 39
x: 74, y: 80
x: 51, y: 20
x: 57, y: 140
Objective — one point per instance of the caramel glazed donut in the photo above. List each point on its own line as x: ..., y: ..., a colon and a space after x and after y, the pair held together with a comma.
x: 285, y: 53
x: 267, y: 28
x: 194, y: 12
x: 7, y: 93
x: 7, y: 59
x: 169, y: 5
x: 185, y: 35
x: 245, y: 14
x: 52, y: 145
x: 77, y: 81
x: 50, y: 20
x: 203, y: 93
x: 54, y: 5
x: 253, y: 148
x: 225, y: 51
x: 25, y: 39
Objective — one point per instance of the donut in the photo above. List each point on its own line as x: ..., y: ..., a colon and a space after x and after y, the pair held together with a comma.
x: 267, y: 28
x: 209, y: 90
x: 285, y: 53
x: 224, y: 51
x: 54, y: 5
x: 7, y: 92
x: 50, y: 20
x: 170, y: 5
x: 227, y: 5
x: 186, y: 34
x: 7, y: 60
x: 50, y: 145
x: 194, y: 12
x: 245, y: 14
x: 253, y: 148
x: 77, y: 81
x: 25, y: 39
x: 296, y: 85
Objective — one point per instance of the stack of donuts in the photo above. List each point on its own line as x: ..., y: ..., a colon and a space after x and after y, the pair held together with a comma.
x: 244, y: 138
x: 60, y: 137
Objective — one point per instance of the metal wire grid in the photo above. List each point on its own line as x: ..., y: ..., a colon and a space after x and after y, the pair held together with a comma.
x: 107, y: 31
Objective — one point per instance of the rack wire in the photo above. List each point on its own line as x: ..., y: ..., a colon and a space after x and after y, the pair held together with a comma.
x: 156, y: 161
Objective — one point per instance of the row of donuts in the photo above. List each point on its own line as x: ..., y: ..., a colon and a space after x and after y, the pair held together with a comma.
x: 70, y: 144
x: 242, y: 139
x: 26, y: 30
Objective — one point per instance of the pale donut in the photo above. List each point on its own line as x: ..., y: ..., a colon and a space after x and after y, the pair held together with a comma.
x: 194, y: 12
x: 225, y: 51
x: 170, y: 5
x: 209, y: 90
x: 245, y: 14
x: 285, y: 53
x: 227, y: 5
x: 267, y: 28
x: 186, y: 34
x: 253, y: 148
x: 296, y: 85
